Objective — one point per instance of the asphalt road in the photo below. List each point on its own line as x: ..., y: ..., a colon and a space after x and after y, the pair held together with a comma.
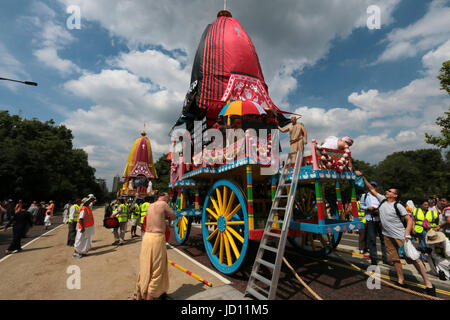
x: 330, y: 278
x: 34, y: 232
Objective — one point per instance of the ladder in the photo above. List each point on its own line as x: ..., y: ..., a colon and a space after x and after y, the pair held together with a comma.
x: 258, y: 283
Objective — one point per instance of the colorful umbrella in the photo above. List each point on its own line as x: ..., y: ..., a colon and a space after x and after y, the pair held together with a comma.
x: 239, y: 108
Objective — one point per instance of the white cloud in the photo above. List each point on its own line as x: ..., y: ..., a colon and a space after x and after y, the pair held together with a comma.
x: 427, y: 33
x: 11, y: 68
x: 50, y: 39
x: 287, y: 35
x: 123, y: 101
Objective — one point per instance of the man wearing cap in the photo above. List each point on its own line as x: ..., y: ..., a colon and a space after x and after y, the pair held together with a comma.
x: 85, y: 228
x: 370, y: 205
x: 440, y: 254
x: 298, y: 137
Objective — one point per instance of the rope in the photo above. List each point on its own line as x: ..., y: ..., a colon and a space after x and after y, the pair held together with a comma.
x: 301, y: 280
x: 387, y: 282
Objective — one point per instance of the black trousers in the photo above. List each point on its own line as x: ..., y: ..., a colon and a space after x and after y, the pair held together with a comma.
x: 72, y: 233
x: 374, y: 230
x: 18, y: 233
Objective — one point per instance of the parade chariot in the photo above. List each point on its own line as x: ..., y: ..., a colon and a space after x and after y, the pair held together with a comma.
x: 232, y: 189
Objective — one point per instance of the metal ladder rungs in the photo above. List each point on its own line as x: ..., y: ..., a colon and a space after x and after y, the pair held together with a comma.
x: 277, y: 235
x: 275, y: 221
x: 269, y: 248
x: 277, y: 208
x: 266, y: 263
x: 282, y: 196
x: 262, y: 279
x: 258, y: 295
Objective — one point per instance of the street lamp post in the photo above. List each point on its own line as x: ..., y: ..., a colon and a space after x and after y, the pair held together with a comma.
x: 29, y: 83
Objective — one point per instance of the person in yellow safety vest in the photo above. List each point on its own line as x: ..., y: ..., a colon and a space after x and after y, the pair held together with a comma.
x: 121, y: 213
x: 72, y: 222
x: 420, y: 214
x: 144, y: 208
x: 362, y: 233
x: 135, y: 216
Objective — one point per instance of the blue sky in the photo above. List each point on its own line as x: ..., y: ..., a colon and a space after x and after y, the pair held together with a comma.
x: 130, y: 63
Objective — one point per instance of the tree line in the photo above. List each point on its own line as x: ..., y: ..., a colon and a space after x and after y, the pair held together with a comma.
x: 38, y: 162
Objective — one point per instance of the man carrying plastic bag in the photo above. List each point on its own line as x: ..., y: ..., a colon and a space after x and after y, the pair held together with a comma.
x: 396, y: 233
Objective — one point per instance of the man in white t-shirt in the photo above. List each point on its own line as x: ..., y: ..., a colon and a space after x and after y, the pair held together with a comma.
x: 395, y: 233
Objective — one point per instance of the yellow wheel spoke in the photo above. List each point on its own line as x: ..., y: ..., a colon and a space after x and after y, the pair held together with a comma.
x: 219, y: 200
x: 221, y: 248
x: 235, y: 234
x: 238, y: 207
x: 233, y: 223
x: 224, y: 200
x: 216, y: 244
x: 233, y: 244
x: 212, y: 235
x: 212, y: 213
x: 215, y: 206
x: 230, y: 203
x: 210, y: 223
x: 227, y: 249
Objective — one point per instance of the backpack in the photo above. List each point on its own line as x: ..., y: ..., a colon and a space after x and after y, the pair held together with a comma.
x: 402, y: 218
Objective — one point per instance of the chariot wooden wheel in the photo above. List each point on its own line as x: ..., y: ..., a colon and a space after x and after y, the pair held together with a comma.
x: 225, y: 226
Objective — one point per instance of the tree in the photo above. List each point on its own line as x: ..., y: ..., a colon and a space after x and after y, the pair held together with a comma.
x: 162, y: 167
x: 38, y: 162
x: 444, y: 121
x: 417, y: 174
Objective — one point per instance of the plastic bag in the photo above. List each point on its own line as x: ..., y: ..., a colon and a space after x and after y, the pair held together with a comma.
x: 410, y: 251
x: 359, y: 181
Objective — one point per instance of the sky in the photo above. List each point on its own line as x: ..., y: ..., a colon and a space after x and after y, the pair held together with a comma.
x: 129, y: 62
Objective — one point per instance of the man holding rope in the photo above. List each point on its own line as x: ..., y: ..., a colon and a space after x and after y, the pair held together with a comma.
x: 396, y: 234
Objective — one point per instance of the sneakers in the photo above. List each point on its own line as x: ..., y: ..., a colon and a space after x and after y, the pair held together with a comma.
x: 76, y: 255
x: 115, y: 243
x: 431, y: 291
x: 442, y: 275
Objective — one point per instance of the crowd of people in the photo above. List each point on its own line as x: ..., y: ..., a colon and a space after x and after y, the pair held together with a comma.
x: 427, y: 224
x: 22, y: 219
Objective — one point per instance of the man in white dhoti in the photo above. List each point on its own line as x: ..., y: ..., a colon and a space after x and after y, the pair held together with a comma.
x: 85, y: 228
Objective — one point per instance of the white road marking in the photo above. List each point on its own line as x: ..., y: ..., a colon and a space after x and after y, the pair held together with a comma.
x: 215, y: 274
x: 28, y: 243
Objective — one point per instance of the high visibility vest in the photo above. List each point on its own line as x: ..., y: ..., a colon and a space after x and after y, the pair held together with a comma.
x: 115, y: 206
x: 123, y: 215
x: 137, y: 212
x: 75, y: 215
x: 361, y: 213
x: 431, y: 216
x: 88, y: 220
x: 144, y: 208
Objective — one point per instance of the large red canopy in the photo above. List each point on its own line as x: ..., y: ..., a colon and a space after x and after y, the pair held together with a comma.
x: 226, y: 66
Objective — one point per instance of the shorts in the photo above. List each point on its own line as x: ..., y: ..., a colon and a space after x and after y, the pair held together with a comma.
x: 392, y: 246
x: 134, y: 222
